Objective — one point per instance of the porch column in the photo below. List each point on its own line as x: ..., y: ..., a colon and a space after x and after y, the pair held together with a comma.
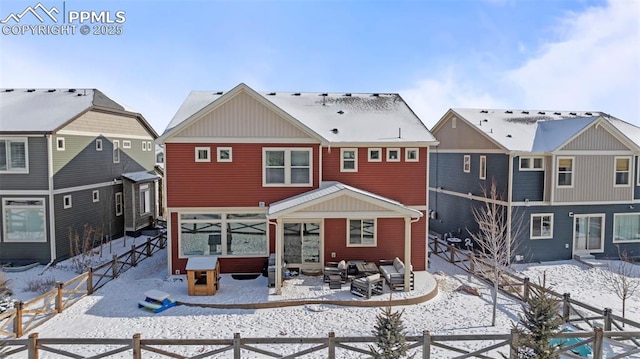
x: 407, y: 254
x: 279, y: 251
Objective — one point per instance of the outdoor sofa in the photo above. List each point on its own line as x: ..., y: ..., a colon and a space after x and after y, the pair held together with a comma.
x: 393, y: 272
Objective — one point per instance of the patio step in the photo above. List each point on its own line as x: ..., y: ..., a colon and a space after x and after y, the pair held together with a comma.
x: 589, y: 260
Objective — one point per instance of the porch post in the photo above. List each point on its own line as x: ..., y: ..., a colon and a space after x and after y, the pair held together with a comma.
x: 407, y: 254
x: 279, y: 250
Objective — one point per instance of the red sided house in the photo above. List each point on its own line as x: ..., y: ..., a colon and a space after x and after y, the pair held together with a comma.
x: 311, y: 177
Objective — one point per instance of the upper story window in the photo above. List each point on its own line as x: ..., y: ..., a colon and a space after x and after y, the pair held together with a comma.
x: 393, y: 155
x: 286, y: 166
x: 95, y: 196
x: 483, y: 167
x: 126, y: 144
x: 361, y: 233
x: 375, y: 154
x: 118, y: 204
x: 60, y: 144
x: 66, y: 201
x: 466, y: 165
x: 99, y: 144
x: 144, y: 145
x: 116, y: 151
x: 623, y: 171
x: 541, y: 226
x: 348, y: 160
x: 531, y: 163
x: 224, y: 154
x: 565, y: 172
x: 13, y: 155
x: 203, y: 154
x: 411, y: 155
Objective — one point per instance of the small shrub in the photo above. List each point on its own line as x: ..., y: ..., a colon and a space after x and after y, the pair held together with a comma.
x: 41, y: 285
x: 5, y: 291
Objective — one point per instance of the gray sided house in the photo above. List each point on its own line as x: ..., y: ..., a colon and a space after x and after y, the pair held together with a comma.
x: 70, y: 159
x: 569, y: 181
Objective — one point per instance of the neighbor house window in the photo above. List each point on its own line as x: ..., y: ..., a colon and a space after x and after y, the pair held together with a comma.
x: 565, y: 171
x: 531, y: 163
x: 626, y: 227
x: 13, y: 155
x: 348, y: 160
x: 286, y: 166
x: 95, y: 196
x: 203, y: 154
x: 66, y: 200
x: 375, y: 154
x: 144, y: 145
x: 224, y: 154
x: 116, y: 151
x: 623, y: 171
x: 145, y: 199
x: 466, y: 165
x: 203, y: 233
x: 361, y: 233
x: 483, y: 167
x: 98, y: 145
x: 60, y: 144
x: 118, y: 203
x: 393, y: 154
x: 126, y: 144
x: 24, y: 220
x: 411, y: 155
x: 454, y: 122
x: 149, y: 146
x: 541, y: 226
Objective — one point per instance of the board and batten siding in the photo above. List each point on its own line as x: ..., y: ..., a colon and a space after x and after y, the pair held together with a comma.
x: 22, y: 253
x: 242, y: 116
x: 97, y: 122
x: 462, y: 136
x: 37, y: 178
x: 343, y: 204
x: 595, y: 138
x: 636, y: 183
x: 593, y: 181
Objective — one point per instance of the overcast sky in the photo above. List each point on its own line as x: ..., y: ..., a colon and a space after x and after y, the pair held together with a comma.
x: 548, y: 54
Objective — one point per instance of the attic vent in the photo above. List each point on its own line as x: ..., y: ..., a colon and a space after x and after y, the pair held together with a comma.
x: 509, y: 136
x: 541, y: 112
x: 484, y: 111
x: 79, y: 94
x: 31, y: 90
x: 334, y: 130
x: 375, y: 94
x: 296, y: 94
x: 348, y: 94
x: 52, y: 90
x: 525, y: 112
x: 341, y: 112
x: 271, y: 94
x: 324, y: 94
x: 8, y: 90
x: 588, y: 113
x: 572, y: 113
x: 557, y: 113
x: 219, y: 93
x: 508, y: 111
x: 485, y: 120
x: 71, y: 90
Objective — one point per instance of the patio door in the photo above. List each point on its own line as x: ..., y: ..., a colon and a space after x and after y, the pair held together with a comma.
x: 302, y: 244
x: 588, y: 233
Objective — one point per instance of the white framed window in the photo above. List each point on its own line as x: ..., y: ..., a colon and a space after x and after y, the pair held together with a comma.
x: 622, y: 175
x: 531, y: 163
x: 14, y: 156
x: 466, y: 164
x: 541, y: 226
x: 118, y: 204
x: 144, y: 145
x: 149, y: 146
x: 361, y: 233
x: 203, y: 154
x: 454, y: 122
x: 60, y: 143
x: 348, y: 160
x: 202, y: 234
x: 145, y: 199
x: 66, y: 201
x: 116, y: 151
x: 95, y: 196
x: 99, y: 144
x: 565, y: 172
x: 638, y: 168
x: 393, y: 155
x: 626, y: 228
x: 411, y: 155
x: 126, y: 144
x: 287, y: 167
x: 375, y: 154
x: 24, y: 220
x: 483, y: 167
x: 225, y: 154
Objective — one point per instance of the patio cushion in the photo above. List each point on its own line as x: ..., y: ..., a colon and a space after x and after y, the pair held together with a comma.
x: 373, y: 277
x: 398, y: 265
x: 342, y: 264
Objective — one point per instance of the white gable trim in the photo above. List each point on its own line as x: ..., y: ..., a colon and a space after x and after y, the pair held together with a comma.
x: 447, y: 117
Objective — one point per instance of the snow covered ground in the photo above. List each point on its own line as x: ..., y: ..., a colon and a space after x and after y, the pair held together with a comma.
x: 112, y: 311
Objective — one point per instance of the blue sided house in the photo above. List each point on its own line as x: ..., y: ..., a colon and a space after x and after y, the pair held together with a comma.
x: 570, y: 181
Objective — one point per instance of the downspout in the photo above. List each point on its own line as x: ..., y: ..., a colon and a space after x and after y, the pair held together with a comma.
x: 407, y: 252
x: 509, y: 207
x: 52, y: 225
x: 319, y: 166
x: 165, y: 211
x: 426, y: 234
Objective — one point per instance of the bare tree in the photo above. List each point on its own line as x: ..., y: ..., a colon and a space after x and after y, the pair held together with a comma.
x: 495, y: 240
x: 620, y: 278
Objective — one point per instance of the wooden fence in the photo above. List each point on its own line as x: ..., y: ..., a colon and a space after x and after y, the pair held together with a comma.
x: 424, y: 346
x: 26, y: 316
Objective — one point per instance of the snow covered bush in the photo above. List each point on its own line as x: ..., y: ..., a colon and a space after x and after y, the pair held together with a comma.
x: 41, y: 285
x: 5, y: 295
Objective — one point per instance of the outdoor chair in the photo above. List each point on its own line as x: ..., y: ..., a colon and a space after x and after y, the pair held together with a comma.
x: 368, y: 286
x: 335, y: 268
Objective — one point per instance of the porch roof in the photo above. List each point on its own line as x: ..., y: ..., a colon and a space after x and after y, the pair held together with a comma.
x: 141, y: 176
x: 332, y: 190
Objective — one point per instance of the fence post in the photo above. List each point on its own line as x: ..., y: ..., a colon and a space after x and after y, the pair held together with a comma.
x: 332, y: 345
x: 597, y: 343
x: 90, y: 281
x: 435, y: 245
x: 59, y: 307
x: 606, y: 314
x: 236, y: 345
x: 17, y: 321
x: 148, y: 248
x: 525, y: 289
x: 133, y: 255
x: 452, y: 253
x: 137, y: 350
x: 114, y: 266
x: 513, y: 344
x: 162, y: 240
x: 472, y: 264
x: 426, y: 344
x: 566, y: 309
x: 33, y: 346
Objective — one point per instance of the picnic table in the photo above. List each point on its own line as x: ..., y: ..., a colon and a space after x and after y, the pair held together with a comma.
x: 156, y: 301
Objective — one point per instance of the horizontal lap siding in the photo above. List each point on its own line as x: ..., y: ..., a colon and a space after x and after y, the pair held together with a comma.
x: 447, y: 172
x: 527, y: 184
x: 224, y: 184
x: 37, y: 178
x: 20, y: 253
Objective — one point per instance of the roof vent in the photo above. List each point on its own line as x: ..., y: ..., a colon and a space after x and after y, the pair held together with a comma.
x: 485, y: 120
x: 51, y: 90
x: 375, y: 94
x: 219, y: 93
x: 557, y: 113
x: 31, y: 90
x: 341, y: 112
x: 508, y: 111
x: 484, y: 111
x: 8, y: 90
x: 348, y: 94
x: 79, y: 94
x: 334, y: 130
x: 324, y: 94
x: 271, y: 94
x: 71, y: 90
x: 541, y: 112
x: 573, y: 113
x: 525, y: 112
x: 509, y: 135
x: 588, y: 113
x: 296, y: 94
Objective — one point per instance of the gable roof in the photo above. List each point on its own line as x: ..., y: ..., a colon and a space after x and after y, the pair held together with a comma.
x: 47, y: 110
x: 538, y: 130
x: 329, y: 117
